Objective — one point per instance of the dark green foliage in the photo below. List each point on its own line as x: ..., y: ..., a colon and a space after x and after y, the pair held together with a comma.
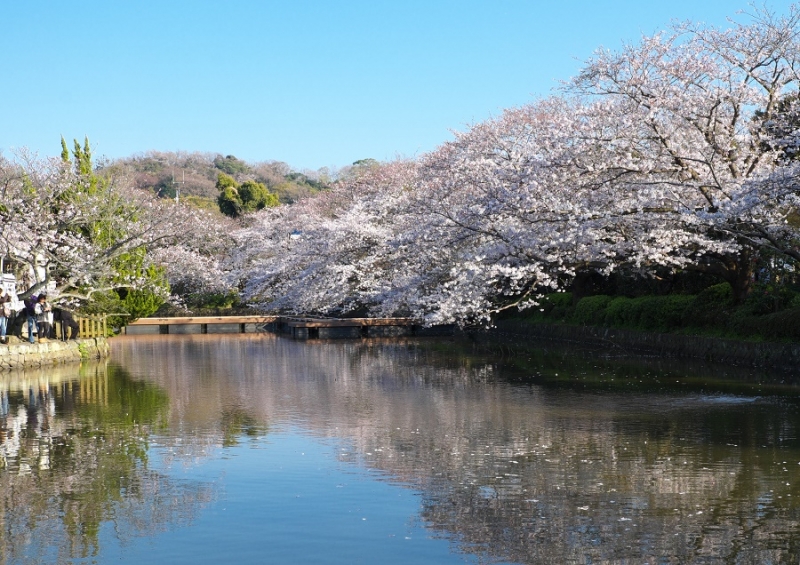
x: 125, y: 305
x: 301, y: 179
x: 165, y: 188
x: 229, y: 203
x: 772, y: 312
x: 555, y: 306
x: 213, y: 300
x: 231, y: 165
x: 648, y: 309
x: 712, y: 307
x: 106, y: 303
x: 591, y: 309
x: 717, y: 296
x: 141, y: 303
x: 619, y: 312
x: 649, y: 312
x: 779, y: 325
x: 559, y: 299
x: 768, y: 298
x: 675, y: 310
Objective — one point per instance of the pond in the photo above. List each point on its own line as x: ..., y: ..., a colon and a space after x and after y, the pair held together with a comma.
x: 261, y: 449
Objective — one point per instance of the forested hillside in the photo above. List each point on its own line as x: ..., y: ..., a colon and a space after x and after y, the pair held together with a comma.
x: 194, y: 176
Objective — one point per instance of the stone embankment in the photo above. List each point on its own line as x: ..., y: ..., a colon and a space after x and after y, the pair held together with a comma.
x: 19, y: 354
x: 783, y: 356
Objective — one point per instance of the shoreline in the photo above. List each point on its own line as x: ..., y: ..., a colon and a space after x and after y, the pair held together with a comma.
x: 768, y: 355
x: 51, y: 352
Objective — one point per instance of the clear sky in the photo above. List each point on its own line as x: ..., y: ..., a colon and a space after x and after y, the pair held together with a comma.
x: 311, y: 83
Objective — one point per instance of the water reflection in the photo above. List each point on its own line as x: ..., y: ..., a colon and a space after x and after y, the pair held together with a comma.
x: 74, y: 457
x: 508, y: 468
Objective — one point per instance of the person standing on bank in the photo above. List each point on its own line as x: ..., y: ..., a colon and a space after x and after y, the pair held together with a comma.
x: 5, y: 314
x: 67, y: 321
x: 30, y: 314
x: 43, y: 313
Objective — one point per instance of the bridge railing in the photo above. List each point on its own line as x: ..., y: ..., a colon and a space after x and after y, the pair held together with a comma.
x: 92, y: 326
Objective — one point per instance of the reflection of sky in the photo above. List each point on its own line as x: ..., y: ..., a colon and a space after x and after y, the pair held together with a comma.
x: 287, y: 498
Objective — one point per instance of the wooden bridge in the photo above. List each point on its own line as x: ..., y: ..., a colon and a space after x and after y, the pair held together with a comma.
x: 305, y: 328
x: 234, y: 324
x: 297, y: 327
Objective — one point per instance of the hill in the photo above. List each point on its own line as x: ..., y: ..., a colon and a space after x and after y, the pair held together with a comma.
x: 193, y: 176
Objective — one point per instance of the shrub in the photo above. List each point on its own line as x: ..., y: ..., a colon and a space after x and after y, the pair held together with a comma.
x: 555, y: 305
x: 213, y: 299
x: 768, y: 298
x: 780, y: 325
x: 563, y: 308
x: 591, y: 309
x: 716, y: 296
x: 647, y: 312
x: 711, y: 308
x: 675, y: 310
x: 563, y: 299
x: 618, y: 312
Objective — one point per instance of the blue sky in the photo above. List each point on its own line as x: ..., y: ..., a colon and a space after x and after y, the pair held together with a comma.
x: 312, y: 83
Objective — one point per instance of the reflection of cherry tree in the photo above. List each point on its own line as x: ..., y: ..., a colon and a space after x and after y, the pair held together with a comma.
x: 73, y: 457
x: 523, y: 472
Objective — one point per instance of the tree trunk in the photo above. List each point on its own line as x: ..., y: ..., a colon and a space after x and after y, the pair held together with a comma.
x: 739, y: 273
x: 586, y: 283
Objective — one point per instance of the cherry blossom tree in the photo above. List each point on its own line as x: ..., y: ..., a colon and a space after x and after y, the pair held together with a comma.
x: 671, y: 153
x: 692, y: 102
x: 332, y: 253
x: 84, y: 234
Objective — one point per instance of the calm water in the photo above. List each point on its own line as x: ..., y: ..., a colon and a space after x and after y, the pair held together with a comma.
x: 260, y: 449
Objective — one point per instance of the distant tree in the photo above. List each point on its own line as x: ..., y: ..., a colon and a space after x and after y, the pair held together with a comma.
x: 255, y: 196
x: 231, y: 165
x: 236, y: 199
x: 83, y: 156
x: 225, y: 181
x: 165, y: 188
x: 229, y: 202
x: 64, y: 150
